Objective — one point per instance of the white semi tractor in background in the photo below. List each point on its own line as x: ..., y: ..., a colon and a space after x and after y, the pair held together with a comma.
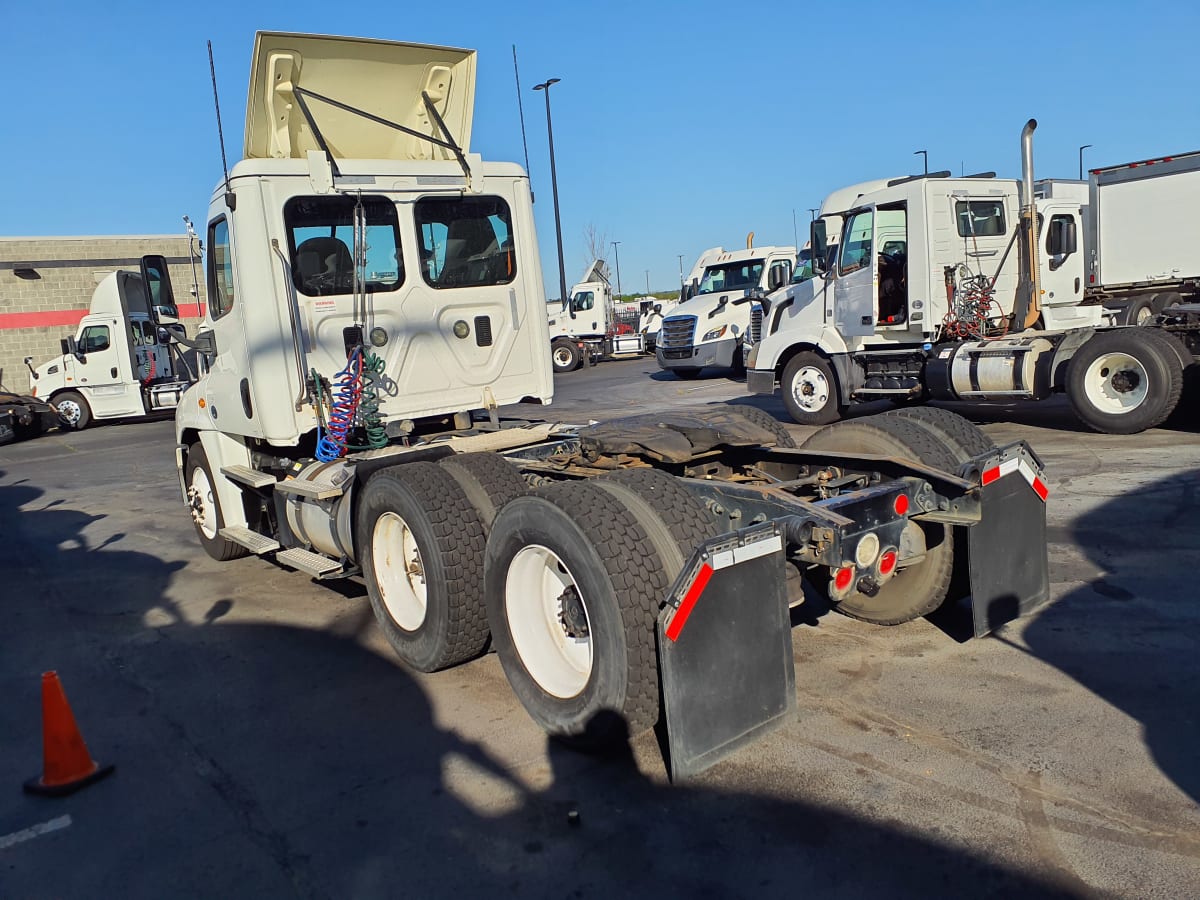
x: 121, y: 362
x: 981, y: 288
x: 591, y: 326
x: 348, y: 426
x: 708, y: 329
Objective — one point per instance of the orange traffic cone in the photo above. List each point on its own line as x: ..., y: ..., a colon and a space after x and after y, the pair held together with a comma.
x: 67, y: 765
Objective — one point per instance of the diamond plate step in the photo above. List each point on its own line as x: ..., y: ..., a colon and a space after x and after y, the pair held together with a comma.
x: 251, y: 540
x: 310, y: 563
x: 314, y: 490
x: 248, y: 476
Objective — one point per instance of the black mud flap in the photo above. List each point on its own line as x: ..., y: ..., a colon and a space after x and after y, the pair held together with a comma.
x: 1007, y: 548
x: 725, y: 649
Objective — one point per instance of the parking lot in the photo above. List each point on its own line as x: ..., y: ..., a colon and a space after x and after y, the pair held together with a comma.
x: 267, y: 742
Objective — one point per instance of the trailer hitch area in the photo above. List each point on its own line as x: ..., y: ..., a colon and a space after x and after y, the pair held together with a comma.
x: 725, y: 649
x: 1006, y: 548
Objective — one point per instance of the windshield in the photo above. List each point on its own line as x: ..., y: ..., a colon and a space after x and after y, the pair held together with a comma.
x: 734, y: 276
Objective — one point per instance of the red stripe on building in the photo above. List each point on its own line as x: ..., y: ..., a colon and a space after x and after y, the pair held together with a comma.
x: 41, y: 319
x: 72, y: 317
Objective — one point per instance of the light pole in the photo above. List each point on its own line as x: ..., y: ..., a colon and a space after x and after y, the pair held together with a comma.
x: 925, y: 155
x: 562, y: 273
x: 617, y: 258
x: 680, y: 255
x: 1081, y: 149
x: 812, y: 212
x: 647, y: 281
x: 795, y: 230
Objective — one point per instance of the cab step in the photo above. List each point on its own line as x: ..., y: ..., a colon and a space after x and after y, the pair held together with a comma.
x: 310, y: 563
x: 314, y: 490
x: 248, y: 476
x: 251, y: 540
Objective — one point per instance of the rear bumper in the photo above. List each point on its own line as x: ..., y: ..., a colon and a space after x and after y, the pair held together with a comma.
x: 717, y: 353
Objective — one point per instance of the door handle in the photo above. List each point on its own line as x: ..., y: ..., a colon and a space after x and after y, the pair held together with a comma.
x: 983, y: 253
x: 113, y: 372
x: 1077, y: 284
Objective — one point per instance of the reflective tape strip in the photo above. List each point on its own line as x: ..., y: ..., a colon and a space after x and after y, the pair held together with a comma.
x: 751, y: 551
x: 1018, y: 465
x: 1005, y: 468
x: 689, y: 600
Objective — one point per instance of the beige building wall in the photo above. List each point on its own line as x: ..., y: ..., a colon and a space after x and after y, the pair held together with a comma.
x: 46, y: 286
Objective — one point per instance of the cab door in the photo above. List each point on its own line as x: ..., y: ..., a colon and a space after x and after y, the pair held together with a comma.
x: 101, y: 370
x: 857, y: 275
x: 1061, y: 260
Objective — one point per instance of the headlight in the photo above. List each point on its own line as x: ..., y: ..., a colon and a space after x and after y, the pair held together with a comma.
x: 714, y: 334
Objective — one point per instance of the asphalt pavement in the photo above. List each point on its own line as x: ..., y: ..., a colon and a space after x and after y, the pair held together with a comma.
x: 267, y: 743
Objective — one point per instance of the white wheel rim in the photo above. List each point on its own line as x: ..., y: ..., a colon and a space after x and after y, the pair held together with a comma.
x: 558, y: 660
x: 1143, y: 315
x: 1116, y: 383
x: 399, y: 571
x: 810, y: 389
x: 204, y: 504
x: 68, y: 411
x: 562, y: 356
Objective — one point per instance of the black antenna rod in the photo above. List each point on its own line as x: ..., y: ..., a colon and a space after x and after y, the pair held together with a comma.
x: 521, y: 110
x: 230, y: 199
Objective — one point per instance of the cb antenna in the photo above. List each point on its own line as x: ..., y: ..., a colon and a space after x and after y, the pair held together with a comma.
x: 230, y: 199
x: 521, y: 109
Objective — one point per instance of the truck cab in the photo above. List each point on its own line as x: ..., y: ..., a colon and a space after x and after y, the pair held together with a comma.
x: 120, y: 362
x: 710, y: 327
x: 580, y: 327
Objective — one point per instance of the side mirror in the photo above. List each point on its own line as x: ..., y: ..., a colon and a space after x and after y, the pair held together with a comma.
x: 657, y: 309
x: 160, y: 298
x: 776, y: 278
x: 70, y: 345
x: 818, y: 246
x: 1063, y: 240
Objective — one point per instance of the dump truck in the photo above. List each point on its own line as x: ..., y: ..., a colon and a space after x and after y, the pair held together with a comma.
x: 349, y: 426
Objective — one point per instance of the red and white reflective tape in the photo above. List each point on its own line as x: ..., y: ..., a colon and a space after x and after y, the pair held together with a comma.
x: 1018, y: 465
x: 722, y: 560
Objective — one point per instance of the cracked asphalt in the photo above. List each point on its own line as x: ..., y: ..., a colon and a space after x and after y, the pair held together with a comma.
x: 267, y: 743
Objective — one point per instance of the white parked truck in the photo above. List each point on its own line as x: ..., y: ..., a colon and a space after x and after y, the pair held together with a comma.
x: 122, y: 361
x: 1141, y: 234
x: 709, y: 327
x: 969, y: 288
x: 591, y: 326
x: 348, y: 426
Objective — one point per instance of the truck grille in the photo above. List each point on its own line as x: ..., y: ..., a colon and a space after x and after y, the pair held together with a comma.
x: 677, y: 331
x: 756, y: 317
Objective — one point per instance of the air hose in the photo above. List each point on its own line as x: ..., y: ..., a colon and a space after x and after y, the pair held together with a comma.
x: 343, y: 408
x: 368, y: 406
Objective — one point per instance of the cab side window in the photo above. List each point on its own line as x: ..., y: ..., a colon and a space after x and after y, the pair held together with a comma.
x: 220, y: 269
x: 94, y: 339
x: 856, y: 248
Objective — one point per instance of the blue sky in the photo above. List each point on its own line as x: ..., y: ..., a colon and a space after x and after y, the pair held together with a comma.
x: 677, y: 126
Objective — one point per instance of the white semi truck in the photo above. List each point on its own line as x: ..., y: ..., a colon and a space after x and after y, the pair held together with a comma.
x: 590, y: 326
x: 972, y: 288
x: 121, y: 362
x: 348, y: 426
x: 708, y: 329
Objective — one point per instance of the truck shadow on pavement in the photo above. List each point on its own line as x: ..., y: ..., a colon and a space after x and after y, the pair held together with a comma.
x: 257, y: 758
x: 1132, y: 636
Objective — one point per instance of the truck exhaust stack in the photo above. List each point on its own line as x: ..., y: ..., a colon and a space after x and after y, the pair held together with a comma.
x: 1032, y: 304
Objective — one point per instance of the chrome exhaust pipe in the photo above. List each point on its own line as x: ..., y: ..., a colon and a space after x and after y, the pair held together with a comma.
x: 1033, y: 304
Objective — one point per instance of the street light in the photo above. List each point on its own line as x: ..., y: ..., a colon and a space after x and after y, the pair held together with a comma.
x: 562, y: 272
x: 1081, y: 149
x: 680, y: 255
x: 647, y: 281
x: 812, y: 212
x: 617, y: 258
x: 795, y: 230
x: 925, y: 154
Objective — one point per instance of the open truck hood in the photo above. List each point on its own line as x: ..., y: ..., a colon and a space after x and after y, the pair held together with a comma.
x: 382, y: 78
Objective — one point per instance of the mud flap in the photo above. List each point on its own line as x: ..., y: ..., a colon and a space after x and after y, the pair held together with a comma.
x: 1007, y: 548
x: 725, y: 650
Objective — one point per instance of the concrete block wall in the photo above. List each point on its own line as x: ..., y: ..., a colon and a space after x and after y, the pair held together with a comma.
x: 46, y: 286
